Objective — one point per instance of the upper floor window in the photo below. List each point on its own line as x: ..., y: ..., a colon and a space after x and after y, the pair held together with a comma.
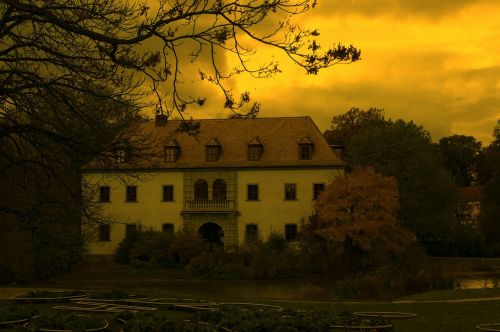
x: 168, y: 193
x: 214, y: 150
x: 318, y: 188
x: 291, y: 232
x: 201, y: 190
x: 253, y: 192
x: 104, y: 194
x: 219, y: 190
x: 305, y: 149
x: 290, y: 191
x: 131, y: 194
x: 171, y: 151
x: 104, y: 233
x: 251, y: 233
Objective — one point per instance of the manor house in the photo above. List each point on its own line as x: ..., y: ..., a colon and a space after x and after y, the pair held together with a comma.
x: 231, y: 180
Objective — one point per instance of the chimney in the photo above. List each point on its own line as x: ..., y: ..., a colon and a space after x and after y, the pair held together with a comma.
x: 161, y: 120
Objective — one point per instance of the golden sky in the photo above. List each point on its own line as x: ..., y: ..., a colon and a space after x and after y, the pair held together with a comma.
x: 436, y: 62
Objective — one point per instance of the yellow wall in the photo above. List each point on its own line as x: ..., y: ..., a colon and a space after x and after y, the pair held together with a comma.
x: 148, y: 211
x: 271, y: 212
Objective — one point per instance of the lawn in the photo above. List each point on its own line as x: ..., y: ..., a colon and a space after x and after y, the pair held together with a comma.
x: 439, y: 316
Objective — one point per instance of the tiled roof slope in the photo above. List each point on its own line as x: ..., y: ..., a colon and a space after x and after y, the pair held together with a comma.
x: 279, y: 136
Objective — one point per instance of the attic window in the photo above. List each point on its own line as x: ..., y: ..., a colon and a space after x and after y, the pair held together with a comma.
x: 171, y: 150
x: 305, y: 149
x: 122, y: 155
x: 255, y: 150
x: 213, y: 150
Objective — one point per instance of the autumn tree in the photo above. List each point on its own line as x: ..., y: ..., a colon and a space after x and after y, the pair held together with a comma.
x: 358, y: 212
x: 461, y: 155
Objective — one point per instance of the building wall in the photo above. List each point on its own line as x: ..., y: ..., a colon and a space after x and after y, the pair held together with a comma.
x: 271, y: 212
x: 149, y: 210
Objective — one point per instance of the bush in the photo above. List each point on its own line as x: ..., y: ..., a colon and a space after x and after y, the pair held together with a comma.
x: 158, y: 250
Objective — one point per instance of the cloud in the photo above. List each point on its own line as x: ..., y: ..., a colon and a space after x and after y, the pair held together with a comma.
x: 424, y: 8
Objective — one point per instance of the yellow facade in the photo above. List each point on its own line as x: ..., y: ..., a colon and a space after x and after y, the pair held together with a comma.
x: 271, y: 212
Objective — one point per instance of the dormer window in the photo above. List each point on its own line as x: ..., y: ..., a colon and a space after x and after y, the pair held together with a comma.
x: 213, y: 150
x: 172, y: 150
x: 122, y: 155
x: 305, y: 149
x: 255, y: 149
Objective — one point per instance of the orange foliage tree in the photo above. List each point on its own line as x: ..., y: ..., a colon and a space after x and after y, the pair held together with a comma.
x: 359, y: 210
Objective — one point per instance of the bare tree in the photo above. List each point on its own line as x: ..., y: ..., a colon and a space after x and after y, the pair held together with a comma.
x: 74, y: 74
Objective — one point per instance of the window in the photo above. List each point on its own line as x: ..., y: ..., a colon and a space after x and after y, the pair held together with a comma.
x: 253, y: 192
x: 251, y: 233
x: 213, y: 152
x: 290, y: 191
x: 123, y: 155
x: 168, y: 193
x: 201, y: 190
x: 130, y: 231
x: 104, y: 233
x: 171, y: 154
x: 255, y: 152
x: 104, y: 194
x: 305, y: 151
x: 131, y: 194
x: 167, y: 228
x: 318, y: 189
x: 219, y: 190
x: 291, y: 232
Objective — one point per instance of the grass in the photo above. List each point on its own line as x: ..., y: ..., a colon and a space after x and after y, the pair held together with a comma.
x: 443, y: 317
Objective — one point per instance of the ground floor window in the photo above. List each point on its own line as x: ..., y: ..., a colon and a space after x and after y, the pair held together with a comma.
x: 251, y: 233
x: 130, y: 231
x: 168, y: 228
x: 290, y: 232
x: 318, y: 188
x: 104, y: 233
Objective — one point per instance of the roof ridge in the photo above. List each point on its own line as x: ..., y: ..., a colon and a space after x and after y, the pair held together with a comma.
x: 225, y: 119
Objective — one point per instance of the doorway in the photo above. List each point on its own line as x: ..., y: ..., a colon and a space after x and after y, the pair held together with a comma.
x: 213, y: 234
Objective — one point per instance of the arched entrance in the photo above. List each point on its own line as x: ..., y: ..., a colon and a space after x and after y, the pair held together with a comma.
x: 213, y: 234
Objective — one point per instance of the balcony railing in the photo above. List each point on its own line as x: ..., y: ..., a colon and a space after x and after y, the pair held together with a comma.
x: 209, y: 205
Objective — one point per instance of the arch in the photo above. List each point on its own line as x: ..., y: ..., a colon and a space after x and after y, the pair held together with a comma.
x: 219, y: 190
x: 201, y: 190
x: 213, y: 234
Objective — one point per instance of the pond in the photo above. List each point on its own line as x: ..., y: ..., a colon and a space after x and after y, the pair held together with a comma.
x: 477, y: 282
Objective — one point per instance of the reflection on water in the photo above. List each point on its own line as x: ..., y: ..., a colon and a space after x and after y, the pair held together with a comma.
x: 477, y: 283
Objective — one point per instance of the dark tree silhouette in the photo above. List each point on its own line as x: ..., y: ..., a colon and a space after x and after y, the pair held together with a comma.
x: 461, y: 155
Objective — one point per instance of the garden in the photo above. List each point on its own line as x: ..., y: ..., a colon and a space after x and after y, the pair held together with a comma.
x: 155, y: 309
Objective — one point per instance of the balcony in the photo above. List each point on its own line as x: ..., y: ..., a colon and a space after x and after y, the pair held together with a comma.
x: 209, y: 205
